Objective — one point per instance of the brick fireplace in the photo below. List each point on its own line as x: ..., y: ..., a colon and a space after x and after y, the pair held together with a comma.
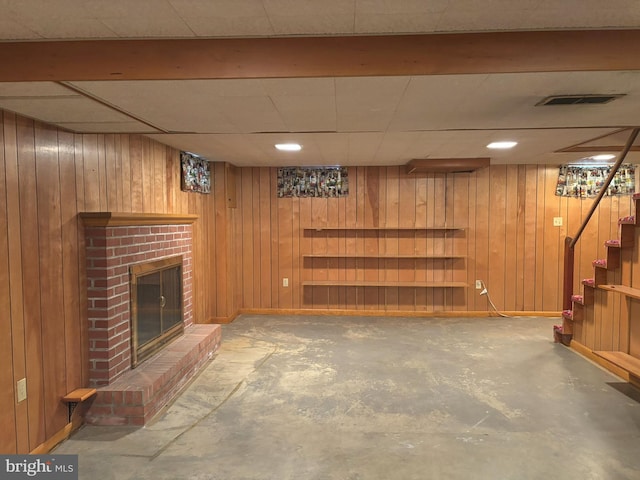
x: 115, y: 243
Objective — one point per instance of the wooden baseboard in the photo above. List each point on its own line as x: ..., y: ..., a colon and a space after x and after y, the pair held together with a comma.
x: 59, y: 437
x: 221, y: 320
x: 390, y: 313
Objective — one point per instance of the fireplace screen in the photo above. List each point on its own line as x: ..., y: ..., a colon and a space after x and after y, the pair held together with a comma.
x: 156, y: 306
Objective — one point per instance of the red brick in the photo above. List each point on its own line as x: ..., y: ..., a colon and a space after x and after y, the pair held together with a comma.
x: 96, y: 410
x: 100, y: 354
x: 98, y: 323
x: 118, y: 398
x: 113, y: 262
x: 128, y: 410
x: 98, y: 344
x: 96, y: 334
x: 113, y: 242
x: 106, y: 420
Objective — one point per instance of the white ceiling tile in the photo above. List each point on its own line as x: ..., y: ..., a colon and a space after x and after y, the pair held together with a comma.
x: 107, y: 127
x: 392, y: 7
x: 218, y: 8
x: 203, y: 106
x: 367, y: 103
x: 34, y: 89
x: 11, y: 29
x: 320, y: 24
x: 229, y: 27
x: 482, y: 19
x: 300, y: 17
x: 396, y: 23
x: 363, y: 147
x: 296, y: 8
x: 277, y: 87
x: 62, y: 27
x: 307, y: 114
x: 63, y: 109
x: 252, y: 114
x: 132, y: 27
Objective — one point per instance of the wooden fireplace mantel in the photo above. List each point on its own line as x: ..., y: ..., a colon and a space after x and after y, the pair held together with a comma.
x: 122, y: 219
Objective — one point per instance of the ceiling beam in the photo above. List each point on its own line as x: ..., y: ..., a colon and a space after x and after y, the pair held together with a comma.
x: 432, y: 54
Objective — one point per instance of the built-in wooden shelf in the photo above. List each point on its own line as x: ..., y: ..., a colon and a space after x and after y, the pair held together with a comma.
x: 128, y: 219
x: 622, y: 360
x: 320, y: 229
x: 623, y: 289
x: 366, y: 283
x: 381, y: 256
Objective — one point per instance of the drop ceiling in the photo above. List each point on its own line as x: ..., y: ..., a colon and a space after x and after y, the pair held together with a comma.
x: 386, y: 118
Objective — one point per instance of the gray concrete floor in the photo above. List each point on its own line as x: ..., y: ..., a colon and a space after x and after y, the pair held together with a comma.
x: 382, y: 398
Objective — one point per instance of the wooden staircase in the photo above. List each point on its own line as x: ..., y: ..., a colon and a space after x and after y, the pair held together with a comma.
x: 610, y: 305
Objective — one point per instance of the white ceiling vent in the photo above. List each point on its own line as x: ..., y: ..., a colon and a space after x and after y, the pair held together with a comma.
x: 591, y: 99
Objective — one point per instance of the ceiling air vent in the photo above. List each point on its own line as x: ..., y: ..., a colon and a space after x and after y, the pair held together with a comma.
x: 578, y: 99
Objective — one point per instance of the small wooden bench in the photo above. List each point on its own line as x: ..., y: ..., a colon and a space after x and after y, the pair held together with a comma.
x: 77, y: 396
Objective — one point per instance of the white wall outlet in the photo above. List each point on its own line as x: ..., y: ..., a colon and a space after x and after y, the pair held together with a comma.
x: 557, y: 221
x: 478, y: 284
x: 21, y: 390
x: 285, y: 282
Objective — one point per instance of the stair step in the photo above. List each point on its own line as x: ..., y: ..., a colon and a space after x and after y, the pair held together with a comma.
x: 600, y: 262
x: 627, y: 235
x: 636, y: 196
x: 629, y: 219
x: 568, y: 314
x: 589, y: 282
x: 577, y: 299
x: 615, y: 243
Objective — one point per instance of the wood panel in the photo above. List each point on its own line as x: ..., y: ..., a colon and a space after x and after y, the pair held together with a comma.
x: 496, y: 278
x: 509, y: 241
x: 8, y: 441
x: 30, y: 278
x: 47, y: 177
x: 240, y: 256
x: 49, y: 232
x: 15, y: 279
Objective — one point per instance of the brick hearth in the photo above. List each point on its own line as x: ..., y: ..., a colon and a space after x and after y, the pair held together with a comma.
x: 115, y: 242
x: 139, y: 394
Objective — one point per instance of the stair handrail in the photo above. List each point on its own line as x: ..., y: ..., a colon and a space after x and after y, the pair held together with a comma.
x: 569, y: 243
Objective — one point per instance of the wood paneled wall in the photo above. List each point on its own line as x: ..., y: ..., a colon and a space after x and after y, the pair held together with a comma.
x: 247, y: 240
x: 509, y: 240
x: 47, y: 176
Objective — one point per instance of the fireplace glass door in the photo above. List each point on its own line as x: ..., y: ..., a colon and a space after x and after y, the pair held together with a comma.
x: 156, y: 306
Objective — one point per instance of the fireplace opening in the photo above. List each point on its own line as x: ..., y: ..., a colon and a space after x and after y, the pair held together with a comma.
x: 156, y: 306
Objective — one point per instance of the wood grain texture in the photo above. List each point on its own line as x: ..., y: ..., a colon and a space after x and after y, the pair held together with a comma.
x: 47, y: 178
x: 508, y: 241
x: 8, y: 442
x: 240, y: 255
x: 438, y: 54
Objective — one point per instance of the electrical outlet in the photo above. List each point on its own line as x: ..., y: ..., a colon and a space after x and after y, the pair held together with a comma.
x: 21, y: 390
x: 478, y: 284
x: 285, y: 282
x: 557, y: 221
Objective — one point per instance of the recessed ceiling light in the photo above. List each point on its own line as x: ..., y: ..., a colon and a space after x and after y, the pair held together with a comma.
x: 502, y: 145
x: 603, y: 157
x: 289, y: 147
